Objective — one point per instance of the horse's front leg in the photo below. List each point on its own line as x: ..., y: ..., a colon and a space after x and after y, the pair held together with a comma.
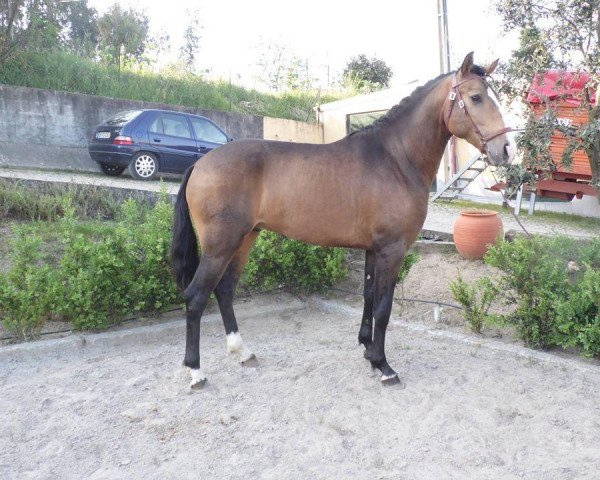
x: 365, y: 334
x: 388, y: 261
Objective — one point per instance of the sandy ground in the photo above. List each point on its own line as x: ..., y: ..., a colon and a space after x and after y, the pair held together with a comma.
x: 117, y: 406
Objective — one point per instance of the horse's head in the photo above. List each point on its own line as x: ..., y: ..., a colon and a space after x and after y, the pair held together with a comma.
x: 472, y: 113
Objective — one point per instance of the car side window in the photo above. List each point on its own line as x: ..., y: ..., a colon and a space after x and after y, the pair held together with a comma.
x: 175, y: 125
x: 156, y: 126
x: 206, y: 131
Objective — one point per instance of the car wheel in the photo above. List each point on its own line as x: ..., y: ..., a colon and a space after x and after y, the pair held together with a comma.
x: 111, y: 170
x: 144, y: 166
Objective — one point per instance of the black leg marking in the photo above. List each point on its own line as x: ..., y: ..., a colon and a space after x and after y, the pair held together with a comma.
x: 205, y: 279
x: 365, y: 334
x: 387, y: 264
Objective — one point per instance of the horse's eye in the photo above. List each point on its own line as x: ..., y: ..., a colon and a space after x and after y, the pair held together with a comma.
x: 476, y: 98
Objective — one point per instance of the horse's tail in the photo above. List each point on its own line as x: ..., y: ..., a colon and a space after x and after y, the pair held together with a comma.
x: 184, y: 249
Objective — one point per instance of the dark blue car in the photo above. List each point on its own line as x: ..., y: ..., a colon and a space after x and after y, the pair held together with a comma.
x: 152, y: 141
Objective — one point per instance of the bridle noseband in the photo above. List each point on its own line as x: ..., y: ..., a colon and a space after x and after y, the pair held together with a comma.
x: 454, y: 94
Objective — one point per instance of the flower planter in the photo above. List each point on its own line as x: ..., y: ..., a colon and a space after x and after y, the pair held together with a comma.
x: 475, y: 230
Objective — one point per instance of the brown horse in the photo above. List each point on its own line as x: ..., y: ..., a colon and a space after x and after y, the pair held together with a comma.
x: 369, y: 190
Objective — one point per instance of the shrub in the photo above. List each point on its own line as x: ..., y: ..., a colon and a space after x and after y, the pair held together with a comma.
x: 554, y: 285
x: 26, y: 291
x: 536, y: 279
x: 98, y: 278
x: 126, y: 271
x: 278, y: 261
x: 103, y: 272
x: 578, y: 315
x: 409, y: 260
x: 476, y: 299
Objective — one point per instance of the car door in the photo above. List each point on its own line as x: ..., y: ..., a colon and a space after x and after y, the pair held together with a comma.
x: 171, y: 135
x: 208, y: 135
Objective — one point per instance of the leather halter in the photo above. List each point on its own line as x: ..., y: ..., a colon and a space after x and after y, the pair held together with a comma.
x: 454, y: 94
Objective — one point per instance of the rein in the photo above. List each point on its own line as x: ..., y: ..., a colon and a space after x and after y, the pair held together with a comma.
x: 454, y: 94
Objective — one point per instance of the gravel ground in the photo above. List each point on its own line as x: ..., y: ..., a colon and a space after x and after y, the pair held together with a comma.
x: 441, y: 218
x: 116, y: 405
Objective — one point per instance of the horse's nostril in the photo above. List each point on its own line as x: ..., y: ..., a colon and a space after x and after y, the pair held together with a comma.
x: 506, y: 153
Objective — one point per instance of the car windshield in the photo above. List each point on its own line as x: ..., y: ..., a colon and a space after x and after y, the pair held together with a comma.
x: 122, y: 118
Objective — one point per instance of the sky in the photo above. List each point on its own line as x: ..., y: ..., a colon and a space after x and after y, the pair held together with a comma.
x: 326, y: 34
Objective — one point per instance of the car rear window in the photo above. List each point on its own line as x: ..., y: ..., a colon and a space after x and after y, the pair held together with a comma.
x: 122, y: 118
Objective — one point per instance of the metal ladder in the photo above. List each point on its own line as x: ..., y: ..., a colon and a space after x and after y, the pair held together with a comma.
x: 461, y: 180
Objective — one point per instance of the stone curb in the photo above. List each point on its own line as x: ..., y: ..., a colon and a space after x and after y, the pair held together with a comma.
x: 332, y: 306
x: 77, y: 343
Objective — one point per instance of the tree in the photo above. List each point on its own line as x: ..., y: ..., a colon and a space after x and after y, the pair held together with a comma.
x: 10, y: 16
x: 29, y: 24
x: 562, y: 35
x: 367, y: 74
x: 282, y: 69
x: 80, y: 23
x: 123, y: 34
x: 191, y: 37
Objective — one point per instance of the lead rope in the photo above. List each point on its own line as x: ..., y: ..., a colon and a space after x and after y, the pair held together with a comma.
x: 512, y: 210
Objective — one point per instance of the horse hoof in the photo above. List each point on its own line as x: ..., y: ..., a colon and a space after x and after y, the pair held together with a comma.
x: 390, y: 380
x: 198, y: 378
x: 251, y: 361
x: 197, y: 385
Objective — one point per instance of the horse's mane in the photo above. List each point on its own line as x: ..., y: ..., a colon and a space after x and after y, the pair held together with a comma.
x: 408, y: 104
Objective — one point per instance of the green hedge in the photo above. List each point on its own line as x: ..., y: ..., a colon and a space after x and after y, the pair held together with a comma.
x: 95, y: 274
x: 553, y: 285
x: 277, y: 261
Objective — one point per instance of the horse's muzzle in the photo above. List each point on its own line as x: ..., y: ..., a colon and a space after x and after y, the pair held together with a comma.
x: 501, y: 150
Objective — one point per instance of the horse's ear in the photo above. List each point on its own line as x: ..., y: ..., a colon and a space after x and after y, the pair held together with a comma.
x: 465, y: 68
x: 491, y: 67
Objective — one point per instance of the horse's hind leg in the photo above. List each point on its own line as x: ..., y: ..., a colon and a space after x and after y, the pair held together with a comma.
x: 212, y: 265
x: 387, y: 265
x: 225, y: 292
x: 365, y: 334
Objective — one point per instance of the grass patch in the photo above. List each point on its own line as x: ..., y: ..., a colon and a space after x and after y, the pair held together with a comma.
x: 68, y: 72
x: 41, y: 201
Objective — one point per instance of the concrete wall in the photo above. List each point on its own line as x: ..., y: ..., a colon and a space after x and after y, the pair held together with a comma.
x: 292, y: 131
x: 49, y: 129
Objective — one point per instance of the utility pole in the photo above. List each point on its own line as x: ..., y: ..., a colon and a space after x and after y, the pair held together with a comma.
x: 444, y: 54
x: 444, y: 39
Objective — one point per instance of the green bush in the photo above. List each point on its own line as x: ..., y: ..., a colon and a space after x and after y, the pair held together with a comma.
x: 554, y: 286
x: 98, y: 279
x: 100, y: 273
x: 476, y: 300
x: 26, y: 291
x: 277, y: 261
x: 126, y: 271
x: 409, y: 260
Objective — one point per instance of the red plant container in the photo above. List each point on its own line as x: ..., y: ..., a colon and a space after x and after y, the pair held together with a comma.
x: 475, y: 230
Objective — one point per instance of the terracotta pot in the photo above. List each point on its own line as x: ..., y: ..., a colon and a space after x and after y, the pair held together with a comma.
x: 475, y: 230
